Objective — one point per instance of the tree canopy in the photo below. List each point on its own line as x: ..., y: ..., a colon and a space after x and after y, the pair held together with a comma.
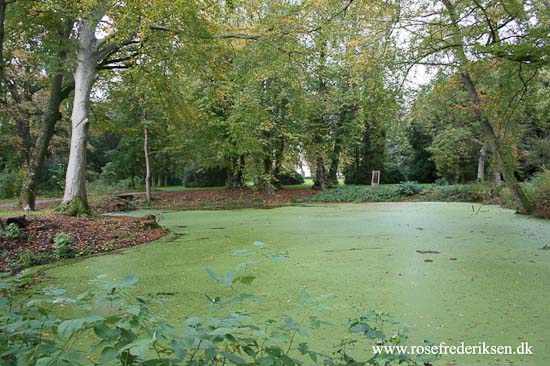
x: 252, y: 91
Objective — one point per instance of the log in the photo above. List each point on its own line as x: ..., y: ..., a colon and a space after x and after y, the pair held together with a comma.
x: 20, y: 221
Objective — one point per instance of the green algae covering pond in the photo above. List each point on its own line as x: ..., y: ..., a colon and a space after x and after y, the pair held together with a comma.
x: 450, y: 272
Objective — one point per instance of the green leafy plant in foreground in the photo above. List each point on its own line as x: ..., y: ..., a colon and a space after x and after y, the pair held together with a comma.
x: 63, y: 245
x: 13, y: 232
x: 126, y: 330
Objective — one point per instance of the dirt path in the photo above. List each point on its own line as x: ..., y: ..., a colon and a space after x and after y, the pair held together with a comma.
x: 40, y: 204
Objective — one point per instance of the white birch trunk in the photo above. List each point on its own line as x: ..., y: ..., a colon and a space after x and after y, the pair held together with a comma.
x: 481, y: 163
x: 84, y: 76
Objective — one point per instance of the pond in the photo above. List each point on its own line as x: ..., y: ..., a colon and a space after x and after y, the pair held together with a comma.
x: 452, y: 272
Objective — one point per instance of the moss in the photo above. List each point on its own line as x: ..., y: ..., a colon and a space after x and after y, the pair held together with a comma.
x: 78, y: 206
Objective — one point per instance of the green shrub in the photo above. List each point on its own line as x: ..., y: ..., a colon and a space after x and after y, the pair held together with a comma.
x: 351, y: 193
x: 12, y: 232
x: 505, y: 198
x: 290, y: 178
x: 204, y: 177
x: 391, y: 174
x: 27, y: 258
x: 484, y: 192
x: 409, y: 188
x: 63, y: 245
x: 441, y: 182
x: 479, y: 192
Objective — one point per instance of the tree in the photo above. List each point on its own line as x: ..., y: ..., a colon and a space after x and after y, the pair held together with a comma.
x: 35, y: 81
x: 128, y: 25
x: 448, y: 40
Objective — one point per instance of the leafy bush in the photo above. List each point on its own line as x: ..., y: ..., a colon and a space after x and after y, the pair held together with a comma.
x: 204, y: 177
x: 441, y: 182
x: 409, y: 188
x: 484, y: 192
x: 349, y: 193
x: 391, y: 173
x: 479, y: 192
x: 290, y: 178
x: 12, y: 232
x: 63, y: 245
x: 27, y: 258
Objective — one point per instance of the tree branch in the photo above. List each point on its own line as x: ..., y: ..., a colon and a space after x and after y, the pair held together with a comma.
x: 253, y: 37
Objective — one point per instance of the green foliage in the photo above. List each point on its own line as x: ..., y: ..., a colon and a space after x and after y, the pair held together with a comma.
x: 13, y: 232
x: 27, y: 258
x: 63, y: 244
x: 392, y: 173
x: 52, y: 179
x: 538, y: 154
x: 290, y: 178
x: 350, y: 193
x: 478, y: 192
x: 454, y: 152
x: 10, y: 184
x: 408, y: 188
x: 204, y: 177
x: 419, y: 165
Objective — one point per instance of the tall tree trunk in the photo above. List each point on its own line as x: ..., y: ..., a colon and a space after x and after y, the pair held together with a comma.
x: 332, y: 178
x: 3, y: 6
x: 481, y: 163
x: 504, y: 156
x: 147, y: 166
x: 319, y: 182
x: 45, y: 133
x: 75, y: 198
x: 277, y: 168
x: 266, y: 180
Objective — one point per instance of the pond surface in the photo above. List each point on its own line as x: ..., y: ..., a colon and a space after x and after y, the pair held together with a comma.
x: 489, y: 282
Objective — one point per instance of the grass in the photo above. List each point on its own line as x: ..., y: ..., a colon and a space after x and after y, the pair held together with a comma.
x: 11, y: 212
x: 308, y: 183
x: 488, y: 282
